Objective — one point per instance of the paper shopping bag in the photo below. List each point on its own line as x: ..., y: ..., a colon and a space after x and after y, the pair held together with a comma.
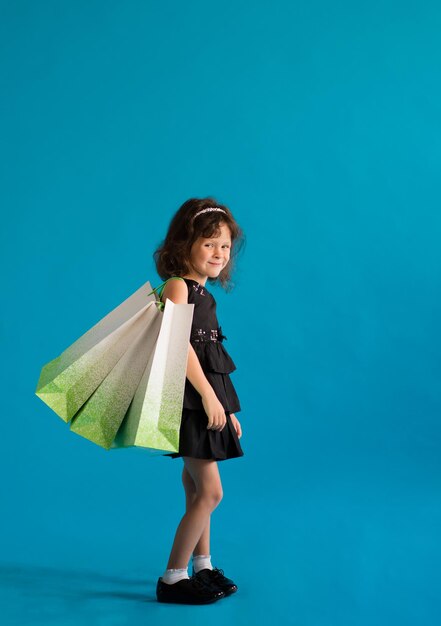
x: 154, y: 417
x: 102, y: 414
x: 150, y: 379
x: 69, y: 380
x: 127, y: 371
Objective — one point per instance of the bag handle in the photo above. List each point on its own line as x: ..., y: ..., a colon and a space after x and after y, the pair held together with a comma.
x: 162, y: 287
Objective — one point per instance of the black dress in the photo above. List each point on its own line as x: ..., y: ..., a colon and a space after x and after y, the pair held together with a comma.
x: 195, y: 439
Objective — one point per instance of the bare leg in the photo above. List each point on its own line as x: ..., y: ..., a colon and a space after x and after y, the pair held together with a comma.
x: 205, y: 474
x: 203, y: 545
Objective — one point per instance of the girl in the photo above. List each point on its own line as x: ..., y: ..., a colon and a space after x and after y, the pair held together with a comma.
x: 197, y: 249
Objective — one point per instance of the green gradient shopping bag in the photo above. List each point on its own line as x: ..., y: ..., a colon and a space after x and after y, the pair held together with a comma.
x: 132, y: 364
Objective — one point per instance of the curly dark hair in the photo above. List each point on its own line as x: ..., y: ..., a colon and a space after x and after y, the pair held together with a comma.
x: 172, y: 257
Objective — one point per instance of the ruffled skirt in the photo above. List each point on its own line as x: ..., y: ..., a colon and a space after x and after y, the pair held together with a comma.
x: 197, y: 441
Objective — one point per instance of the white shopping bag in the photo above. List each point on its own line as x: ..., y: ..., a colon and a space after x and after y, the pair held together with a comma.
x: 93, y: 382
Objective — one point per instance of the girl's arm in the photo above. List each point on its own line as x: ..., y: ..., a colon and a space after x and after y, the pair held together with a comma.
x: 177, y: 292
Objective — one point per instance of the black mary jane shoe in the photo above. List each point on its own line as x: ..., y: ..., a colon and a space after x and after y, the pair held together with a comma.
x: 215, y: 578
x: 187, y: 591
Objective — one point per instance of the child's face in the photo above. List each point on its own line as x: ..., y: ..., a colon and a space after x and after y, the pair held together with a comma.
x: 209, y: 256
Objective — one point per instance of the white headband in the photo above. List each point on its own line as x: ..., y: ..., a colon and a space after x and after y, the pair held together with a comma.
x: 210, y: 208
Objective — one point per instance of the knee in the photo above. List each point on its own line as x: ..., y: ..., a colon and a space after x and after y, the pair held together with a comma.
x: 217, y: 496
x: 212, y: 497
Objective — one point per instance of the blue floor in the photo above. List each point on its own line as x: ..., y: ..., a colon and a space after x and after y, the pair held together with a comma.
x: 339, y: 548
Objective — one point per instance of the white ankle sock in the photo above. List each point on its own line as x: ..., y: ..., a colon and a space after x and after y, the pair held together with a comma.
x: 173, y: 575
x: 202, y: 561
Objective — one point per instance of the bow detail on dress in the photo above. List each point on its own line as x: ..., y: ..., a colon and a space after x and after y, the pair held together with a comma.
x: 213, y: 356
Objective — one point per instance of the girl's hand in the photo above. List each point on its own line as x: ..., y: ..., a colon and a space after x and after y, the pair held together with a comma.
x: 236, y: 425
x: 215, y: 411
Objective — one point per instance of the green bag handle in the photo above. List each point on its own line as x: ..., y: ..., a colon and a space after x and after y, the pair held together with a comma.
x: 160, y: 304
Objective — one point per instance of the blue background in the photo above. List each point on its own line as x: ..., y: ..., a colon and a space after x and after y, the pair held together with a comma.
x: 318, y: 123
